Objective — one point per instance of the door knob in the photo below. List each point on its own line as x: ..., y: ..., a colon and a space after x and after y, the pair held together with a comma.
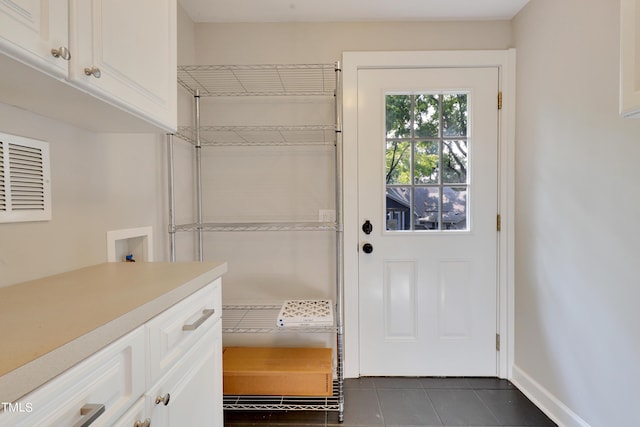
x: 367, y: 227
x: 367, y: 248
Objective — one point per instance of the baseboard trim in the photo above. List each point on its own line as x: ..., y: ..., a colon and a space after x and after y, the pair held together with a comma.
x: 547, y: 402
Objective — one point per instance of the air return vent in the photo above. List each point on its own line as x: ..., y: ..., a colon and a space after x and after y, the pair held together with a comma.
x: 25, y: 187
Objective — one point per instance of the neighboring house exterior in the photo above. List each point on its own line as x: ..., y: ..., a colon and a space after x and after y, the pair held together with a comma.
x: 425, y: 212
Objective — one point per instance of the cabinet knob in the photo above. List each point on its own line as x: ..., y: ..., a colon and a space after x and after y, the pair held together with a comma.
x: 145, y: 423
x: 93, y: 71
x: 62, y: 53
x: 163, y: 399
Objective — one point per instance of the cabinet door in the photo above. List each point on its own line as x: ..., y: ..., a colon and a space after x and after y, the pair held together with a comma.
x: 125, y: 52
x: 191, y: 393
x: 30, y: 29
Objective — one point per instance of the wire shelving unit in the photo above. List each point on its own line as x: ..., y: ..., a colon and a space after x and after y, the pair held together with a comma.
x: 285, y: 82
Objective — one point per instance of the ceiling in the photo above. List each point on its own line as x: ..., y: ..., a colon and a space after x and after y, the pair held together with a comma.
x: 349, y: 10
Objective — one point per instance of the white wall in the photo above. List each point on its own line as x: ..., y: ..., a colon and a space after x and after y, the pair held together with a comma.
x: 184, y: 188
x: 295, y: 265
x: 273, y: 43
x: 100, y: 182
x: 577, y: 211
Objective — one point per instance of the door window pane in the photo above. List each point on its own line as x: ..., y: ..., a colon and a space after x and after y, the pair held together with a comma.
x: 398, y: 208
x: 454, y: 114
x: 454, y: 162
x: 454, y: 208
x: 427, y: 158
x: 398, y: 158
x: 427, y: 208
x: 426, y: 162
x: 426, y: 116
x: 398, y: 116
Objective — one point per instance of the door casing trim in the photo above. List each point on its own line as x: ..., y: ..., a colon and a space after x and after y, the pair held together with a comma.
x: 505, y: 62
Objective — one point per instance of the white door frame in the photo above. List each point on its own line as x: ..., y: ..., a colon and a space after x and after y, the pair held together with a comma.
x: 504, y: 61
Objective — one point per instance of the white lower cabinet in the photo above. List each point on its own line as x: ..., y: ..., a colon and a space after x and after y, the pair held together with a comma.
x: 167, y: 372
x: 191, y: 393
x: 185, y: 362
x: 135, y: 416
x: 172, y: 333
x: 103, y: 387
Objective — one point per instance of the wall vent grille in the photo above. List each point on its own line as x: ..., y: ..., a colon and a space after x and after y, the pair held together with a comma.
x: 3, y: 191
x: 25, y: 188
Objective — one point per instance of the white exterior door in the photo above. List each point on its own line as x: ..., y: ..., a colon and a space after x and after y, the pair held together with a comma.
x: 428, y: 186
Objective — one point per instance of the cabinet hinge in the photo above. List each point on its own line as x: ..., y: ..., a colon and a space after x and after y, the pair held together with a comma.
x: 500, y: 100
x: 497, y: 342
x: 498, y: 222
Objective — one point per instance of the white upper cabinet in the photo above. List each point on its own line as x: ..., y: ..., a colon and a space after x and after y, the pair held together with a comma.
x: 126, y: 52
x: 122, y: 53
x: 36, y: 32
x: 630, y: 58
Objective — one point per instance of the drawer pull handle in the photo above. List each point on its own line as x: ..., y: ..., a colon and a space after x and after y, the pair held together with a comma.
x: 145, y: 423
x: 205, y: 315
x: 90, y: 412
x: 163, y: 399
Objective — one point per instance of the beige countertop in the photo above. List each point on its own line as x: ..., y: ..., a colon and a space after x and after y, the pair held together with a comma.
x: 50, y: 324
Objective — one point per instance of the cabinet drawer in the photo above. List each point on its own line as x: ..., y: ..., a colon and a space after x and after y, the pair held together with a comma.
x: 173, y: 332
x: 112, y: 379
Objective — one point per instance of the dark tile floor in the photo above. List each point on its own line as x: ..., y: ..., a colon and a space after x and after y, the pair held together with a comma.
x: 415, y: 402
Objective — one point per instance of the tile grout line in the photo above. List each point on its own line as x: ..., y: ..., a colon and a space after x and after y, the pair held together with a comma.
x: 486, y: 406
x: 379, y: 404
x: 433, y: 406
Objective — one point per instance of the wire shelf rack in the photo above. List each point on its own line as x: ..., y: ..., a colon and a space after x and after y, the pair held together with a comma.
x: 297, y: 83
x: 259, y: 80
x: 261, y: 318
x: 286, y: 403
x: 259, y: 226
x: 260, y: 135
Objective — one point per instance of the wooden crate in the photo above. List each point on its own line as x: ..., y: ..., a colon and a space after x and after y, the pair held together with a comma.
x: 277, y: 371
